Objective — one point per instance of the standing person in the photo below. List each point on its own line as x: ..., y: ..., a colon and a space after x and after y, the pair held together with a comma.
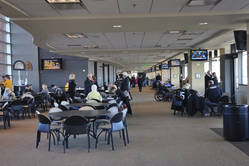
x: 124, y: 84
x: 140, y: 83
x: 71, y: 86
x: 158, y: 77
x: 133, y: 81
x: 207, y: 78
x: 2, y: 84
x: 66, y: 87
x: 8, y: 82
x: 144, y: 81
x: 88, y: 84
x: 95, y: 82
x: 121, y: 95
x: 215, y: 79
x: 105, y: 86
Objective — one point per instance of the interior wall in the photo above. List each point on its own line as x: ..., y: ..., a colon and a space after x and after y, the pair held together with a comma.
x: 165, y: 75
x: 174, y: 74
x: 196, y: 76
x: 100, y: 74
x: 91, y: 67
x: 23, y: 49
x: 70, y: 65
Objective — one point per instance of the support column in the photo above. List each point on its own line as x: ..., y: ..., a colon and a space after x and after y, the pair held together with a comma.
x: 175, y: 78
x: 247, y: 46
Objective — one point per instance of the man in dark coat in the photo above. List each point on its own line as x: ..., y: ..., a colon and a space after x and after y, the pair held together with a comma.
x: 158, y: 77
x: 88, y: 84
x: 121, y: 95
x: 125, y: 83
x: 207, y: 78
x: 140, y: 83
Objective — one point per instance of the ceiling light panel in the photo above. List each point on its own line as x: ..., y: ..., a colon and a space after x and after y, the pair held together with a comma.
x: 75, y: 35
x: 191, y: 3
x: 63, y: 1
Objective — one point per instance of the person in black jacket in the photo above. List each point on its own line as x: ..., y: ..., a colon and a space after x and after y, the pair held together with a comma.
x: 207, y: 78
x: 213, y: 92
x: 121, y: 95
x: 88, y: 84
x: 125, y: 83
x: 140, y: 83
x: 158, y: 77
x: 215, y: 79
x: 71, y: 86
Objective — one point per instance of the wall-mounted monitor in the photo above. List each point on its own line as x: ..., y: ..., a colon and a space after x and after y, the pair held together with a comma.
x: 175, y: 62
x: 240, y: 40
x: 157, y: 68
x: 198, y: 55
x: 51, y: 64
x: 152, y: 69
x: 165, y: 66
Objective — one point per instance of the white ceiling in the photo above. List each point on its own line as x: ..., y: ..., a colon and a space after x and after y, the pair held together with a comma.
x: 144, y: 36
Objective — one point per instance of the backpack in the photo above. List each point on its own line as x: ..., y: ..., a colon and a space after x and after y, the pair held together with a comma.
x: 58, y: 92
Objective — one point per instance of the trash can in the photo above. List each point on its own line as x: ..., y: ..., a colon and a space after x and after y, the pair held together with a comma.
x: 235, y: 122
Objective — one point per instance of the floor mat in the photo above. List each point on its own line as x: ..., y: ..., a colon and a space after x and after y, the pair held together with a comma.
x: 242, y: 145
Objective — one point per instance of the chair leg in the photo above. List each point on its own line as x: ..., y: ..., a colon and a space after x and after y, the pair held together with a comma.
x: 127, y: 134
x: 88, y: 138
x: 124, y: 137
x: 49, y: 142
x: 110, y: 134
x: 38, y: 138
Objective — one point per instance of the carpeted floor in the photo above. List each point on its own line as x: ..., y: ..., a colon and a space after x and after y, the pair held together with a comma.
x: 241, y: 145
x: 157, y: 137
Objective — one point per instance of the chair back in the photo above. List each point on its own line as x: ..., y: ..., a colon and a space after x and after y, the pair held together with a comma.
x: 64, y: 103
x: 86, y: 107
x: 55, y: 109
x: 43, y: 124
x: 63, y: 108
x: 178, y: 101
x: 76, y: 124
x: 76, y: 101
x: 92, y: 101
x: 111, y: 105
x: 38, y: 99
x: 224, y: 98
x: 116, y: 122
x: 113, y: 110
x: 232, y: 98
x: 112, y: 101
x: 5, y: 106
x: 30, y: 102
x: 16, y: 105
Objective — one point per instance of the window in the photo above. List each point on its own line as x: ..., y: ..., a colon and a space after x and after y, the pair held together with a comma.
x: 244, y: 68
x: 5, y: 46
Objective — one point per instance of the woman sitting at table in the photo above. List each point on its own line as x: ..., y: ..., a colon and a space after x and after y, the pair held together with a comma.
x: 94, y: 94
x: 8, y: 95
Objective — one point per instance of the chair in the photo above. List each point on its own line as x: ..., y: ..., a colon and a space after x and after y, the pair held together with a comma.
x: 77, y: 101
x: 44, y: 126
x: 38, y: 102
x: 116, y: 124
x: 16, y: 107
x: 73, y: 125
x: 126, y: 124
x: 232, y: 98
x: 92, y: 101
x: 29, y: 107
x: 63, y: 108
x: 64, y: 103
x: 86, y: 107
x: 223, y: 100
x: 112, y: 101
x: 178, y: 104
x: 5, y: 114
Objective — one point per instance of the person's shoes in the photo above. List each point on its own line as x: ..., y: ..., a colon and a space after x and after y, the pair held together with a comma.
x: 217, y: 113
x: 207, y: 114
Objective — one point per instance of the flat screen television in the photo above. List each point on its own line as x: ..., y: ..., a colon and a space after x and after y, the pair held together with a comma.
x: 240, y: 40
x: 175, y: 62
x: 157, y: 68
x: 198, y: 55
x: 165, y: 66
x: 51, y: 64
x: 152, y: 69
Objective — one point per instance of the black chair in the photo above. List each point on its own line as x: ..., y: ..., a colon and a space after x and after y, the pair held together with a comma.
x: 16, y: 107
x: 232, y: 98
x: 29, y: 107
x: 223, y: 100
x: 116, y: 124
x: 178, y: 104
x: 63, y: 108
x: 38, y: 102
x: 111, y: 105
x: 73, y: 125
x: 44, y: 126
x: 5, y: 114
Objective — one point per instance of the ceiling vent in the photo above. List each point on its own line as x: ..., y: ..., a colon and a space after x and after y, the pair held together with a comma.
x: 66, y: 4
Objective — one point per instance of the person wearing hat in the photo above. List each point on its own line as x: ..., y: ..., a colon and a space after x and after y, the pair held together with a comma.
x: 125, y: 83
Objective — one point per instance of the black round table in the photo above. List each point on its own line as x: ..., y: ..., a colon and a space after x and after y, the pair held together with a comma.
x: 95, y: 105
x: 85, y: 113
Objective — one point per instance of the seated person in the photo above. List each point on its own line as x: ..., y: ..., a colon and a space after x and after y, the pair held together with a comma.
x: 57, y: 94
x: 105, y: 86
x: 121, y: 95
x: 213, y: 93
x: 94, y: 94
x: 161, y: 86
x: 45, y: 94
x: 29, y: 90
x: 8, y: 95
x: 185, y: 88
x: 110, y: 86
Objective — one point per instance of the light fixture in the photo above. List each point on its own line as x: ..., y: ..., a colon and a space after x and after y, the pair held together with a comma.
x: 63, y: 1
x: 91, y: 46
x: 117, y: 26
x: 203, y: 23
x: 192, y: 3
x: 75, y: 35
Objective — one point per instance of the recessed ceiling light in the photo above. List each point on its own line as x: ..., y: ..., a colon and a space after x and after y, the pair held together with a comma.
x: 191, y: 3
x: 203, y: 23
x: 117, y: 26
x: 75, y: 35
x: 91, y: 46
x: 63, y: 1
